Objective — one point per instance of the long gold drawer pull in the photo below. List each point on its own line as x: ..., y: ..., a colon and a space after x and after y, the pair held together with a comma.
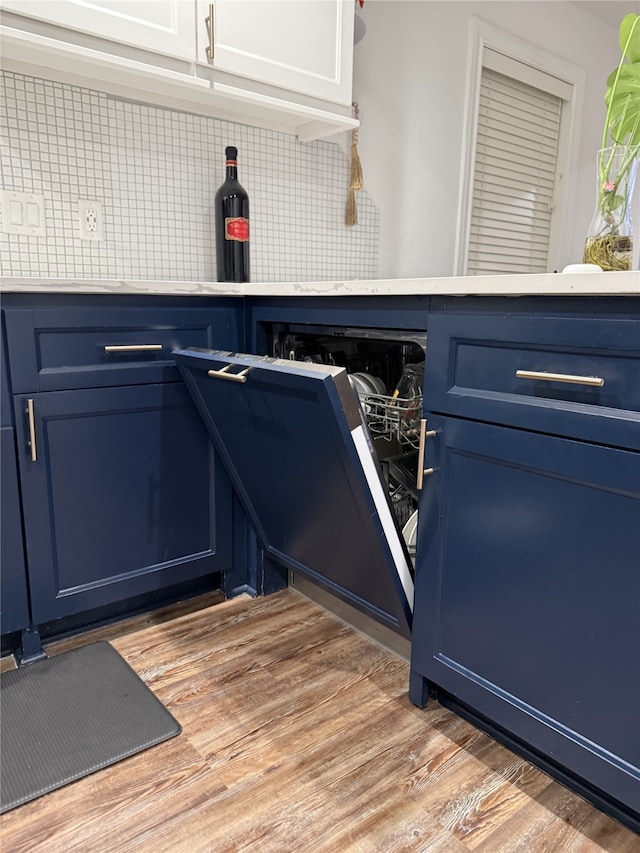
x: 234, y: 377
x: 424, y: 435
x: 560, y: 377
x: 209, y: 22
x: 32, y: 431
x: 134, y: 348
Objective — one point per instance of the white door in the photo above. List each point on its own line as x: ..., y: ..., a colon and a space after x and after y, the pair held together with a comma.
x: 302, y: 45
x: 164, y: 26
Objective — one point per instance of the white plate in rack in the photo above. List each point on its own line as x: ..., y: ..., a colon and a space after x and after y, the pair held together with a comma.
x: 410, y: 530
x: 358, y: 385
x: 365, y: 382
x: 374, y: 384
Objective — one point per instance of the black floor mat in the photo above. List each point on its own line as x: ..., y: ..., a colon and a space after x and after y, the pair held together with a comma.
x: 70, y: 715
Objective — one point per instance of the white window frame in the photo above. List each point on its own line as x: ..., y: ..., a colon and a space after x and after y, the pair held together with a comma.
x: 483, y: 35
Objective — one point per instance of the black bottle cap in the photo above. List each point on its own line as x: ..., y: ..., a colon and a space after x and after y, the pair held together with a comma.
x: 231, y: 152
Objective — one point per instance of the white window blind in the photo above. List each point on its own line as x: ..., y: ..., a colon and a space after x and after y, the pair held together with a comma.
x: 515, y: 167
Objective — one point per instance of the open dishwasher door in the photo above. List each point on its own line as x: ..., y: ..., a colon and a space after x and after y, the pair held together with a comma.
x: 291, y: 437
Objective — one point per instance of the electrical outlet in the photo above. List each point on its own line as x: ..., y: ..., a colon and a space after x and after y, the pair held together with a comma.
x: 91, y: 219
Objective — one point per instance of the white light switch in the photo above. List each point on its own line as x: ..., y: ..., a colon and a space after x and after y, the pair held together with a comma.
x: 15, y: 216
x: 33, y: 214
x: 23, y: 213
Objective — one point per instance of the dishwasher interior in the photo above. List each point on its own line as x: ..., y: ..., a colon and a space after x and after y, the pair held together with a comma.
x: 385, y: 370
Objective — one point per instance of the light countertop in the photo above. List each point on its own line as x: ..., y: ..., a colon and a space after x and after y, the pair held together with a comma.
x: 566, y: 284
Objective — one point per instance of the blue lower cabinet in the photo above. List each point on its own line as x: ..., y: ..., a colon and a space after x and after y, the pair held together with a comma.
x: 124, y: 497
x: 528, y: 594
x: 13, y: 578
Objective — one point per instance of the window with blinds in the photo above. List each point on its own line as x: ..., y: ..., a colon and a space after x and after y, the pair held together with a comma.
x: 516, y: 160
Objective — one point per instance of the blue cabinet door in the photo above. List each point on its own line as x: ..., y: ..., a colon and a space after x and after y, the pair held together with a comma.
x: 297, y: 452
x: 124, y: 497
x: 528, y: 593
x: 13, y: 578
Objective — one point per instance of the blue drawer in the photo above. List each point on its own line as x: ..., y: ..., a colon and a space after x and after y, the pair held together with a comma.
x: 577, y: 376
x: 55, y: 349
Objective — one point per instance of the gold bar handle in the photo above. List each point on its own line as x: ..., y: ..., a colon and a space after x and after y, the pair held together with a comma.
x: 424, y: 435
x: 224, y: 374
x: 134, y: 348
x: 32, y: 430
x: 209, y: 23
x: 596, y: 381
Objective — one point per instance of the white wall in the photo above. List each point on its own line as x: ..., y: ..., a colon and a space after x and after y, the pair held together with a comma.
x: 409, y: 79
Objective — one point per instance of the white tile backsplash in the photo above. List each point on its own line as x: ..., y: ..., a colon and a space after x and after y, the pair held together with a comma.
x: 156, y: 171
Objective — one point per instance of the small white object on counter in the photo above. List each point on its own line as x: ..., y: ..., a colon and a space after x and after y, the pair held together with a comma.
x: 582, y: 268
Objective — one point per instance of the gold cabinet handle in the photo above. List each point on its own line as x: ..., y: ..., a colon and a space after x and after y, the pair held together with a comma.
x: 224, y: 374
x: 209, y: 23
x: 596, y: 381
x: 424, y: 435
x: 32, y: 430
x: 134, y: 348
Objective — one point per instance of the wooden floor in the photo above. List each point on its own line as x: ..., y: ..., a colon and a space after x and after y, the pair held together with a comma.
x: 298, y: 736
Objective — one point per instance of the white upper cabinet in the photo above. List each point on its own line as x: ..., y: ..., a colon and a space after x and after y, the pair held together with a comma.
x: 301, y: 45
x: 280, y: 64
x: 163, y: 26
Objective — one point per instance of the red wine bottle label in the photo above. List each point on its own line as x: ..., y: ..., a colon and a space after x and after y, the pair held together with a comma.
x: 236, y: 228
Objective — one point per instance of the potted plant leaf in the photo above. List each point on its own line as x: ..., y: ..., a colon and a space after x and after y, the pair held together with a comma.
x: 609, y: 240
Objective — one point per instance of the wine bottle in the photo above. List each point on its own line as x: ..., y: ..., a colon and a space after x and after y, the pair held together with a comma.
x: 232, y: 224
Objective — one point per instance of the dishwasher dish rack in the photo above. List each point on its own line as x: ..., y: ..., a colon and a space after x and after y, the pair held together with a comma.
x: 393, y: 417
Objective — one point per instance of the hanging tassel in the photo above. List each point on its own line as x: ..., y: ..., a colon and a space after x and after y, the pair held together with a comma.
x: 351, y: 217
x: 356, y: 180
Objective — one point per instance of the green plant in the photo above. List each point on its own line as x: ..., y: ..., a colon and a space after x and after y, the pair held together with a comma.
x: 622, y: 122
x: 609, y: 242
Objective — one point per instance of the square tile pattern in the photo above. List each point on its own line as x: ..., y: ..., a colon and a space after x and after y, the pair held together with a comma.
x: 155, y: 172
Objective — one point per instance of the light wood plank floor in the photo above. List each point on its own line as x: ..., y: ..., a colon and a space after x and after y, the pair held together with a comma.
x: 298, y: 736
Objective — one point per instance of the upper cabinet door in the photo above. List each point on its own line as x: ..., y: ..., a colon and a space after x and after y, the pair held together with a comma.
x: 292, y: 440
x: 165, y: 26
x: 302, y: 45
